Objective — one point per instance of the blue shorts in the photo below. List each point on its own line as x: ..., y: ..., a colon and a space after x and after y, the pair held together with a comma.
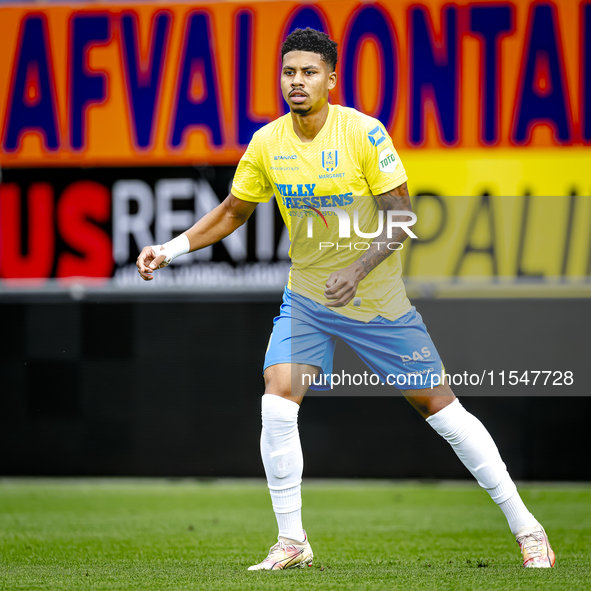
x: 305, y: 332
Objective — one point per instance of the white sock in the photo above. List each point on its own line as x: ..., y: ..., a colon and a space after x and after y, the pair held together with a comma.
x: 517, y: 514
x: 284, y: 463
x: 476, y: 449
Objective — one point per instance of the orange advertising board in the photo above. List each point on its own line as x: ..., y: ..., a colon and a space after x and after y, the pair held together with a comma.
x: 161, y: 84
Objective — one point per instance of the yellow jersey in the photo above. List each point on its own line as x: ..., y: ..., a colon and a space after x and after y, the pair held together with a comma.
x: 324, y: 190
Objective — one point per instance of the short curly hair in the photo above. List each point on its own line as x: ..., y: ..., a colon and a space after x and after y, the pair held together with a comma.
x: 312, y: 40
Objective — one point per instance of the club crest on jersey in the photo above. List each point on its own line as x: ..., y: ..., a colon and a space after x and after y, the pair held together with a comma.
x: 330, y: 160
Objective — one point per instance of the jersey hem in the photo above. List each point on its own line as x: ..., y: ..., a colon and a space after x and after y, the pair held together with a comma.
x: 352, y: 313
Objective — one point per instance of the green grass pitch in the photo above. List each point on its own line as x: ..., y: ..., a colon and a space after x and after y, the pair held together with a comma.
x: 158, y: 534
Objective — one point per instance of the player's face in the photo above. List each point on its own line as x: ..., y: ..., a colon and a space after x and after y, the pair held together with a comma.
x: 306, y: 81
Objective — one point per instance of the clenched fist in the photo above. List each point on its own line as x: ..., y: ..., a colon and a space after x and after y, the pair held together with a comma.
x: 150, y: 259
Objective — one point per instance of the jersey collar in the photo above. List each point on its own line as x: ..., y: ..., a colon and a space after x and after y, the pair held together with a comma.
x: 327, y: 125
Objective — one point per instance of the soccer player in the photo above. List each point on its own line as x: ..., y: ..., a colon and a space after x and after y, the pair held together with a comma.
x: 328, y: 164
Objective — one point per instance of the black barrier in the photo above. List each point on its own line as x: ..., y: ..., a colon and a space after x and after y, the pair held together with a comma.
x: 174, y: 389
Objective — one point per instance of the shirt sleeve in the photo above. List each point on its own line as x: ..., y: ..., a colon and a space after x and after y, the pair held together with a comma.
x: 381, y: 164
x: 250, y: 183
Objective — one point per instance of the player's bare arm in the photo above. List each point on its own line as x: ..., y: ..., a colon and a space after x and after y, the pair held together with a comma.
x: 220, y: 222
x: 341, y: 285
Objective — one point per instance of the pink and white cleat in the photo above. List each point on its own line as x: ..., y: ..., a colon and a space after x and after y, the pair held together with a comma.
x: 535, y: 547
x: 287, y: 553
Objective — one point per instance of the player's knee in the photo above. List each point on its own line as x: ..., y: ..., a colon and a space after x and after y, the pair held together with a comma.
x: 429, y: 405
x: 437, y: 403
x: 277, y: 389
x: 277, y: 384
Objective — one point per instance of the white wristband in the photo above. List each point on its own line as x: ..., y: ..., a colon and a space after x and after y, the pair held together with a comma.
x: 173, y: 248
